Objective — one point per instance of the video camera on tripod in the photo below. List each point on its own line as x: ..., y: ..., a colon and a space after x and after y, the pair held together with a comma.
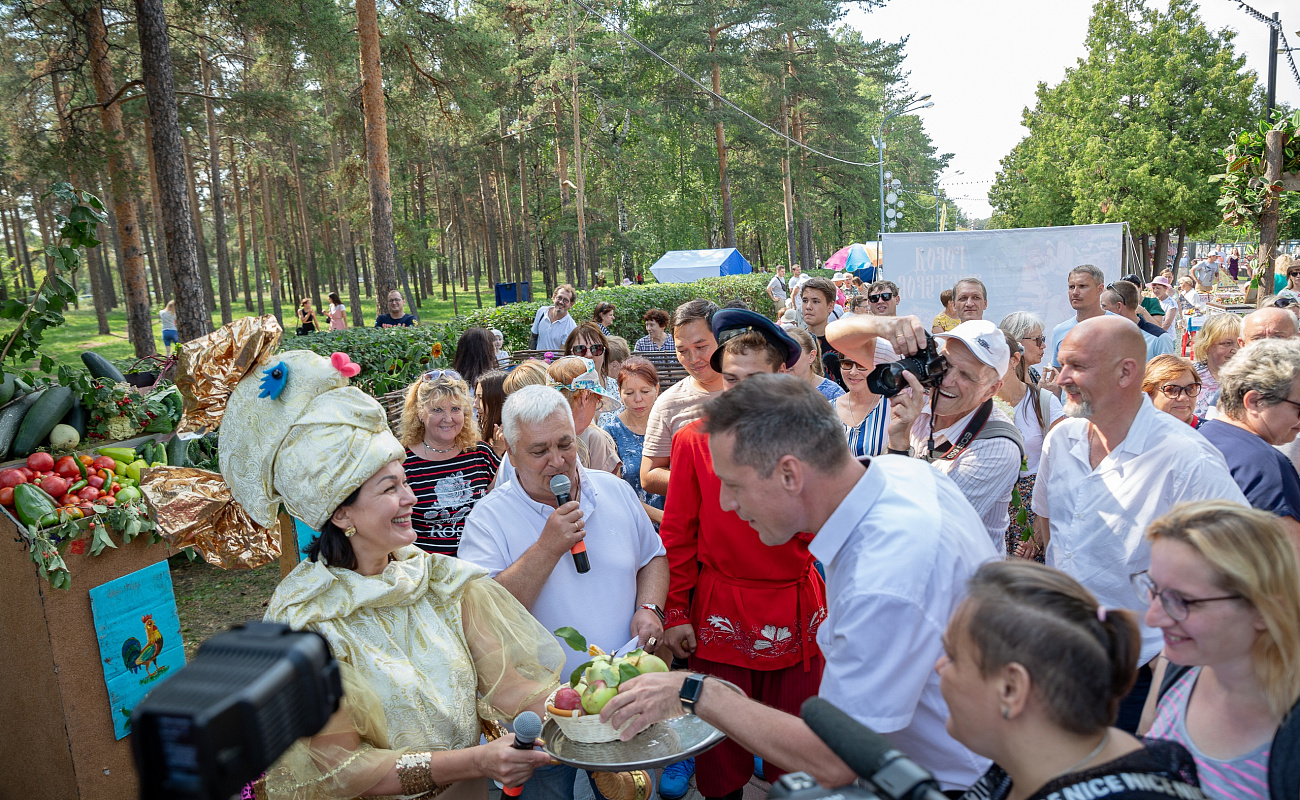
x: 890, y: 774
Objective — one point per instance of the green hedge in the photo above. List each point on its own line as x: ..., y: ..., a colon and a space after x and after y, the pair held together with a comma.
x: 391, y: 358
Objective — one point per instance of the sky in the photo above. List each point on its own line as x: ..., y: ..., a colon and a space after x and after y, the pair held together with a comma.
x: 981, y: 60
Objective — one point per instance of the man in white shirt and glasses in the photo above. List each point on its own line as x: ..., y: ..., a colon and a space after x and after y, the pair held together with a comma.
x: 898, y: 542
x: 1111, y: 469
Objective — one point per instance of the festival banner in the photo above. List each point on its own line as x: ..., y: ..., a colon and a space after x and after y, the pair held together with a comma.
x: 139, y: 637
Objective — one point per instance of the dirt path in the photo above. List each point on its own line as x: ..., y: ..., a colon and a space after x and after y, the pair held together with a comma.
x: 210, y: 600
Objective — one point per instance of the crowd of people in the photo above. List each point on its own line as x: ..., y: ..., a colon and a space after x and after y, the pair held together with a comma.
x: 1037, y: 561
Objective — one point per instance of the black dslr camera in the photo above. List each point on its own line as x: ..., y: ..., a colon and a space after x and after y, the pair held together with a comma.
x: 927, y: 365
x: 801, y: 786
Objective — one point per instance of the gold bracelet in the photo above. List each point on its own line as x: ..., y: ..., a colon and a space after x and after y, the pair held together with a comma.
x: 416, y: 775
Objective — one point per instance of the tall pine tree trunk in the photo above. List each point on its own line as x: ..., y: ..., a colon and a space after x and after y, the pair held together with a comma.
x: 120, y: 169
x: 345, y: 231
x: 312, y: 278
x: 720, y: 136
x: 268, y: 228
x: 383, y: 243
x: 224, y: 272
x: 200, y: 236
x: 239, y: 226
x: 787, y: 182
x: 562, y: 169
x: 159, y: 223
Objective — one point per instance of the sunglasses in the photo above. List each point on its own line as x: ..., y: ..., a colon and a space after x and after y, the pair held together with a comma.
x: 1039, y: 340
x: 582, y: 350
x: 883, y: 297
x: 1285, y: 302
x: 438, y: 374
x: 1294, y: 274
x: 848, y: 365
x: 1173, y: 391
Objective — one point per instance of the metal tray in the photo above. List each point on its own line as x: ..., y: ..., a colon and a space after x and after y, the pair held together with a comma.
x: 659, y: 745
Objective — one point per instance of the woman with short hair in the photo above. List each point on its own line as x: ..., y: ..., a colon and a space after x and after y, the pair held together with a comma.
x: 1034, y: 411
x: 603, y: 315
x: 809, y: 366
x: 1216, y: 342
x: 1259, y: 409
x: 1033, y: 672
x: 1224, y: 589
x: 1026, y: 328
x: 588, y: 341
x: 1173, y: 386
x: 656, y: 339
x: 448, y: 468
x: 863, y: 413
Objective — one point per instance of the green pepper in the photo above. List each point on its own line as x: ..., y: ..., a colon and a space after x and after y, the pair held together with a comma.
x: 49, y: 520
x: 128, y: 494
x: 124, y: 454
x: 78, y: 486
x: 80, y: 467
x: 32, y: 503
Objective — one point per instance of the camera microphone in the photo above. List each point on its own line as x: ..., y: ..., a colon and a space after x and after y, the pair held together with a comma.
x: 527, y: 728
x: 560, y: 487
x: 869, y: 754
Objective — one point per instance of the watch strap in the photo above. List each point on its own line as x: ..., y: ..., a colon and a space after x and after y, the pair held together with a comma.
x: 690, y: 691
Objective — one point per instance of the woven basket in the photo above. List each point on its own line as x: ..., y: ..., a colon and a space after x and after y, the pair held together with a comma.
x: 587, y: 728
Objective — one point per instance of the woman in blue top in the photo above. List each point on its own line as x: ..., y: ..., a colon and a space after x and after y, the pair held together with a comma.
x: 865, y: 415
x: 638, y: 386
x: 809, y: 367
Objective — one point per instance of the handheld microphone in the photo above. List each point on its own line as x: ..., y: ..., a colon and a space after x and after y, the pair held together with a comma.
x: 527, y: 727
x: 869, y: 754
x: 560, y: 486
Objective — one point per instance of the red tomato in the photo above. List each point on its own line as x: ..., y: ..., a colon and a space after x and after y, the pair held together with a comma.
x: 115, y: 488
x: 7, y: 496
x: 55, y: 486
x: 66, y: 467
x: 27, y: 473
x: 86, y: 509
x: 10, y: 478
x: 104, y: 462
x: 88, y: 494
x: 95, y: 481
x: 40, y: 462
x: 108, y: 501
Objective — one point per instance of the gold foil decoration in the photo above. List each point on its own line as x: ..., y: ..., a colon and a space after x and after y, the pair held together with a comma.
x: 193, y: 508
x: 211, y: 365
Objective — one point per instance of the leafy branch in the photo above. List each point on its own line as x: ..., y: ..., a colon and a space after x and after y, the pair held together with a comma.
x: 1244, y: 194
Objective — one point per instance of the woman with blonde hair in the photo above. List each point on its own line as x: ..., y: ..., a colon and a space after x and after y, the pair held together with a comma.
x: 447, y: 466
x: 1173, y: 386
x: 809, y: 366
x: 580, y: 383
x: 1224, y: 589
x: 528, y: 373
x: 1215, y: 344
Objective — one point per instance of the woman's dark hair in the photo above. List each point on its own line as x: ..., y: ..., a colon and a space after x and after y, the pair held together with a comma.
x: 334, y: 298
x: 332, y: 544
x: 476, y: 353
x: 492, y: 394
x: 600, y: 309
x: 658, y: 316
x: 1081, y: 658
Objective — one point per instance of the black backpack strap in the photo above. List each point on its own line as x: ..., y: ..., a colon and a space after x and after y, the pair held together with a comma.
x: 998, y: 429
x: 1284, y: 759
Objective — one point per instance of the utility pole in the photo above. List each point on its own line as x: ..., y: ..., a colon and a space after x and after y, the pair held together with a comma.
x: 1270, y: 100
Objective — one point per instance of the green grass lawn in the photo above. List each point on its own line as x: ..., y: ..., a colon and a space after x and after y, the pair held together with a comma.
x: 66, y: 343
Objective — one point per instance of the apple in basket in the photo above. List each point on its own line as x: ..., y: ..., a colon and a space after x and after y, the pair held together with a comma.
x: 594, y: 683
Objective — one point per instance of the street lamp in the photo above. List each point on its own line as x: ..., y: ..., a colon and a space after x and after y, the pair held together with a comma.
x: 916, y: 105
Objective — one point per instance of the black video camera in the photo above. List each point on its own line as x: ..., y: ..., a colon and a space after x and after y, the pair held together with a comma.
x: 249, y: 693
x: 928, y: 366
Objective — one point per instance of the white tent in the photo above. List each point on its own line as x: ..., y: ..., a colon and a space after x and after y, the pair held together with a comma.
x: 684, y: 266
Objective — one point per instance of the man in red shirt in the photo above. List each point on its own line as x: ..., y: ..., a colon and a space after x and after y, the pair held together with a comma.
x: 740, y: 611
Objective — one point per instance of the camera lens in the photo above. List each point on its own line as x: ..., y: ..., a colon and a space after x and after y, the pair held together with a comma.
x: 887, y: 379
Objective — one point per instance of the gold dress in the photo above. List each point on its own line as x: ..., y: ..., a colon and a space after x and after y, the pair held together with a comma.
x: 425, y: 648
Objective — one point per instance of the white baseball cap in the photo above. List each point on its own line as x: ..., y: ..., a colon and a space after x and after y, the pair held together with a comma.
x: 839, y: 276
x: 985, y: 340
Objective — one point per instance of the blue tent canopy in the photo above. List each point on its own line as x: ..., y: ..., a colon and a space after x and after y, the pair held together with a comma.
x: 684, y: 266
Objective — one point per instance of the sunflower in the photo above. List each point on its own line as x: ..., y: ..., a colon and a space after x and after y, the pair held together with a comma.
x: 436, y: 350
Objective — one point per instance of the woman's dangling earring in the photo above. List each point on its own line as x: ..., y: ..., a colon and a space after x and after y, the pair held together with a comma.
x: 1006, y: 713
x: 352, y: 529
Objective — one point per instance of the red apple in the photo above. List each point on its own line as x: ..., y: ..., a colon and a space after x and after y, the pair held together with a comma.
x: 567, y: 699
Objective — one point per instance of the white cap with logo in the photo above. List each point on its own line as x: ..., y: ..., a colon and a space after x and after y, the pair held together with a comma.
x: 985, y: 340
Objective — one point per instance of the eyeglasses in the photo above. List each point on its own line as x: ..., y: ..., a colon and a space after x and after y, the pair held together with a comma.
x: 582, y: 350
x: 1173, y: 391
x: 1039, y: 340
x: 847, y: 365
x: 438, y: 374
x: 883, y: 297
x: 561, y: 299
x: 1292, y: 402
x: 1175, y: 605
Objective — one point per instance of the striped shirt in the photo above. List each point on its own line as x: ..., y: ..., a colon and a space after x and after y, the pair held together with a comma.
x: 647, y: 345
x: 1245, y: 776
x: 870, y: 437
x: 445, y: 492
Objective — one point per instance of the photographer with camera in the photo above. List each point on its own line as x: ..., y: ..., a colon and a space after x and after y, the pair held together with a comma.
x: 1033, y: 672
x: 898, y: 542
x: 942, y: 409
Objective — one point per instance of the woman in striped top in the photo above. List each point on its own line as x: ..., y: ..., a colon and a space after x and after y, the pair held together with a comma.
x: 1224, y: 589
x: 865, y: 414
x: 447, y: 466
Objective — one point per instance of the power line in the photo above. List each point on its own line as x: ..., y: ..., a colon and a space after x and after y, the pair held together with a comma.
x: 1281, y: 36
x: 621, y: 32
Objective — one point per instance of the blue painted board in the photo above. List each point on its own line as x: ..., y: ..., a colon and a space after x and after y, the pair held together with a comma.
x: 139, y: 635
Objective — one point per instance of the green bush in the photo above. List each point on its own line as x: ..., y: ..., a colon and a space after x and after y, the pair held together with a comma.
x: 392, y: 358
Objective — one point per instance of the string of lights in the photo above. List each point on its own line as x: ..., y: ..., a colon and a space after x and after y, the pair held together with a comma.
x: 1281, y: 35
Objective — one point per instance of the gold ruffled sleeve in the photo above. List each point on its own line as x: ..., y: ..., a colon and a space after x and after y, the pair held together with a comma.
x: 517, y: 660
x: 348, y: 757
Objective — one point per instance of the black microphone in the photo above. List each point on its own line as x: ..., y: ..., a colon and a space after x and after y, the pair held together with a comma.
x: 560, y: 486
x: 527, y: 728
x: 869, y: 754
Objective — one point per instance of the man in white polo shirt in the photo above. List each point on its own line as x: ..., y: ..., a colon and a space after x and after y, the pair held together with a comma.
x: 898, y: 542
x: 1109, y: 471
x: 552, y: 324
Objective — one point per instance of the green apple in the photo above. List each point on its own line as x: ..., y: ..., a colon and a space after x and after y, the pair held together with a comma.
x: 651, y: 663
x: 596, y: 696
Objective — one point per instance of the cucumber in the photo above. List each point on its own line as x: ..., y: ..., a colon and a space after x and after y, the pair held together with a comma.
x: 7, y: 389
x: 100, y: 367
x: 11, y: 418
x: 21, y: 387
x: 178, y: 452
x: 44, y: 414
x: 76, y: 419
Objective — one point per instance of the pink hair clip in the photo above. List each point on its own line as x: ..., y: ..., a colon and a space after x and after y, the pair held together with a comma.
x: 1101, y: 613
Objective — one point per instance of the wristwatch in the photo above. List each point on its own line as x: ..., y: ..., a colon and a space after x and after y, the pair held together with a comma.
x: 690, y: 692
x: 659, y: 612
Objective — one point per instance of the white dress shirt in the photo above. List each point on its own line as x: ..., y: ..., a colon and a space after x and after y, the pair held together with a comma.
x: 1099, y: 517
x: 620, y: 541
x: 898, y: 552
x: 986, y: 473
